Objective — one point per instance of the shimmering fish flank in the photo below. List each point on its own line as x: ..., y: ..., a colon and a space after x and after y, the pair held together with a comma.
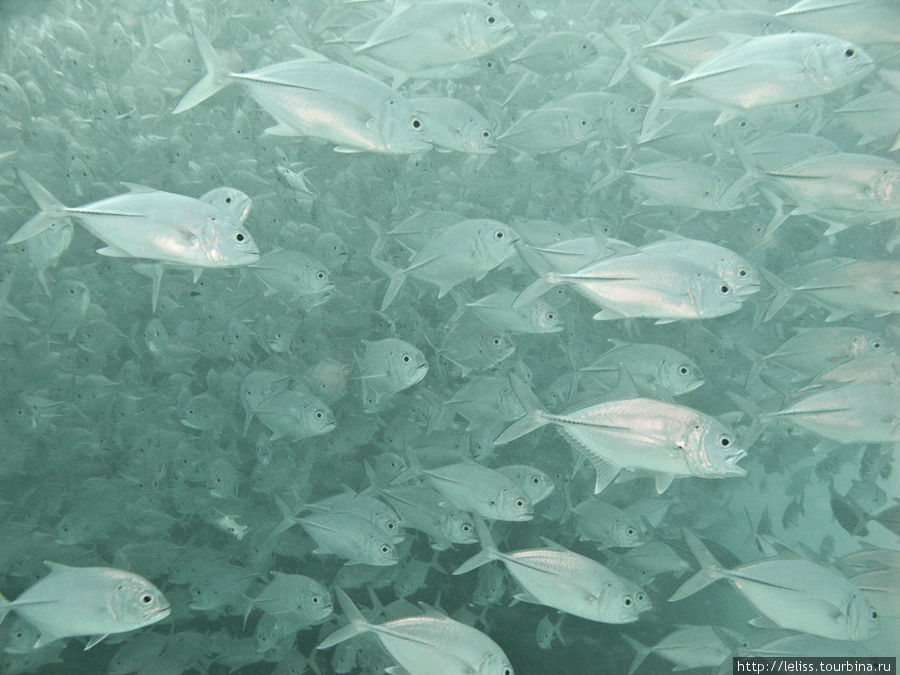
x: 473, y: 324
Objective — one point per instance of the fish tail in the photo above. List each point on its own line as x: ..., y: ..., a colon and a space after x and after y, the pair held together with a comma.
x: 397, y: 277
x: 357, y: 625
x: 782, y: 293
x: 659, y: 85
x: 213, y: 81
x: 535, y: 290
x: 641, y: 652
x: 488, y: 549
x: 710, y: 570
x: 51, y: 210
x: 533, y: 419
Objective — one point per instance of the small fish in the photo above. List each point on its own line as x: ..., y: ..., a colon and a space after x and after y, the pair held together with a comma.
x: 468, y: 249
x: 687, y: 647
x: 481, y: 490
x: 547, y: 631
x: 90, y: 601
x: 389, y: 366
x: 607, y: 524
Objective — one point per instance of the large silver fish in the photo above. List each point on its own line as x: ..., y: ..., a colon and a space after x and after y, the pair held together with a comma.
x: 94, y: 601
x: 795, y: 594
x: 313, y: 96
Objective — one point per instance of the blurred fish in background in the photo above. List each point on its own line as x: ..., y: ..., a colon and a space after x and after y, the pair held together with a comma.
x: 479, y: 292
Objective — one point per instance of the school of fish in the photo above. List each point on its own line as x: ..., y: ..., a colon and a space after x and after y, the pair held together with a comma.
x: 448, y: 336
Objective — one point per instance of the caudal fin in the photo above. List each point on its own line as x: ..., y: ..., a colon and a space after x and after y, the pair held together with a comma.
x: 488, y: 549
x: 215, y: 79
x: 51, y: 210
x: 710, y: 570
x: 397, y: 277
x: 357, y: 625
x: 4, y: 607
x: 641, y: 653
x: 533, y: 419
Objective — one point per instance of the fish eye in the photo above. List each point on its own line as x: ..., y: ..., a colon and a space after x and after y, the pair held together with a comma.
x: 551, y: 315
x: 406, y: 358
x: 239, y: 237
x: 486, y: 133
x: 641, y: 597
x: 630, y: 531
x: 491, y: 20
x: 320, y: 275
x: 723, y: 289
x: 874, y: 614
x: 227, y: 200
x: 849, y: 52
x: 724, y: 441
x: 520, y: 504
x: 466, y: 528
x: 319, y: 415
x: 627, y: 601
x: 496, y: 341
x: 416, y: 124
x: 684, y: 370
x: 742, y: 273
x: 385, y: 549
x: 535, y: 480
x: 146, y: 598
x: 498, y: 234
x: 632, y: 109
x: 876, y: 345
x: 315, y: 599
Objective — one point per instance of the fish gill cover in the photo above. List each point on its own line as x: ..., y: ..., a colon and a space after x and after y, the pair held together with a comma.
x: 338, y: 336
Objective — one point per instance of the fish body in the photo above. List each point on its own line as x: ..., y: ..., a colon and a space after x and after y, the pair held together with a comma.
x: 793, y: 593
x: 426, y: 644
x: 665, y: 281
x: 664, y: 439
x: 316, y: 97
x: 468, y: 249
x: 150, y: 224
x: 389, y: 366
x: 90, y: 601
x: 481, y: 490
x: 657, y: 370
x: 565, y: 580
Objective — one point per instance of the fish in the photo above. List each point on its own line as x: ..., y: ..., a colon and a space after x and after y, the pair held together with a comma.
x: 796, y: 594
x: 687, y: 647
x: 476, y: 488
x: 863, y: 412
x: 454, y: 125
x: 149, y: 224
x: 468, y: 249
x: 764, y: 70
x: 664, y: 439
x: 387, y: 367
x: 656, y: 370
x: 607, y: 525
x: 87, y: 601
x: 564, y: 580
x: 421, y: 38
x: 426, y: 643
x: 314, y: 96
x: 665, y: 281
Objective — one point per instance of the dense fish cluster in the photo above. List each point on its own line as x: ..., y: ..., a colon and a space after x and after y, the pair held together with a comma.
x: 447, y: 336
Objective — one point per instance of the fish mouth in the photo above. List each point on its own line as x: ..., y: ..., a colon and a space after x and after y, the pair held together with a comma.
x: 730, y: 466
x: 160, y: 613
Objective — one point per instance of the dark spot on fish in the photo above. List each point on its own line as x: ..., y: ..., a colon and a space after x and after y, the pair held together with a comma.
x: 849, y: 52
